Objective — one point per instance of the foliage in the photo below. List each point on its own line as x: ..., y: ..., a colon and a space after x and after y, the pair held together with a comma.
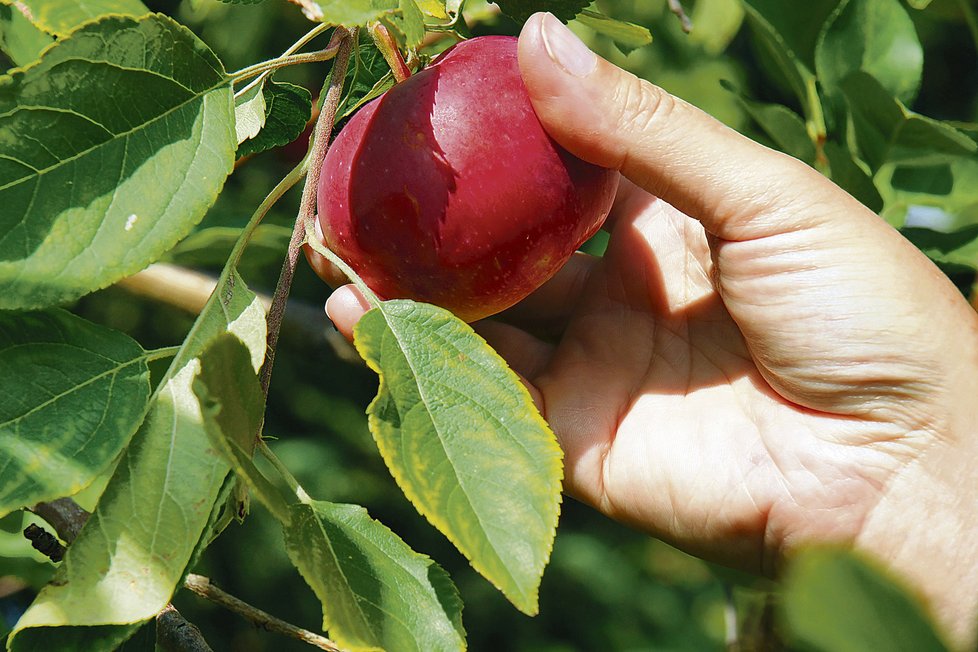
x: 119, y: 134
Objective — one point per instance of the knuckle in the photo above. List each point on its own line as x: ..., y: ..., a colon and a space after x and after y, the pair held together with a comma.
x: 640, y: 105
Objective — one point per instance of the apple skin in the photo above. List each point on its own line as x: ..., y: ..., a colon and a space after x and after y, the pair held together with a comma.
x: 447, y: 189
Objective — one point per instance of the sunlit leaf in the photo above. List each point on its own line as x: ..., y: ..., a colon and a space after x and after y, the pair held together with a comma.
x: 59, y: 17
x: 627, y: 36
x: 287, y: 109
x: 233, y: 407
x: 376, y: 592
x: 158, y: 504
x: 249, y: 112
x: 71, y: 395
x: 877, y: 37
x: 112, y: 147
x: 20, y: 39
x: 462, y: 437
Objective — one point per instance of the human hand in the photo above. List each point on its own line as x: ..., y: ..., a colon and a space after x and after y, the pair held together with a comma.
x: 758, y: 361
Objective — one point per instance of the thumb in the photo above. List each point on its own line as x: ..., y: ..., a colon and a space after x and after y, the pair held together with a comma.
x: 737, y: 188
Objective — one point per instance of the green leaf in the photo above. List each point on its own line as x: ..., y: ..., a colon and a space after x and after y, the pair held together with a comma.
x: 887, y: 132
x: 851, y: 177
x: 627, y: 36
x: 376, y: 592
x: 462, y: 437
x: 71, y: 395
x: 786, y: 33
x: 406, y: 24
x: 287, y: 109
x: 956, y: 248
x: 249, y: 112
x: 233, y: 406
x: 20, y: 39
x: 59, y: 17
x: 434, y: 9
x: 211, y: 247
x: 351, y: 13
x: 112, y: 146
x: 716, y: 23
x: 836, y: 602
x: 242, y: 2
x: 131, y: 555
x: 367, y: 77
x: 919, y: 4
x: 950, y: 189
x: 782, y: 125
x: 877, y: 37
x: 521, y: 10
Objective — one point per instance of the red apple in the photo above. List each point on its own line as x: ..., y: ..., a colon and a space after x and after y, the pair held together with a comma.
x: 447, y: 190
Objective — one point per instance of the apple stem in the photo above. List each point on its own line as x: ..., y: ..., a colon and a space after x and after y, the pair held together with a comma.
x: 392, y: 55
x: 343, y: 40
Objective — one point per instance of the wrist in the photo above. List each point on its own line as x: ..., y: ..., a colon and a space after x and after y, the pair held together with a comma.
x: 926, y: 529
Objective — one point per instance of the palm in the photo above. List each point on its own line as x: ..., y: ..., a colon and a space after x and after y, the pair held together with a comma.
x: 667, y: 422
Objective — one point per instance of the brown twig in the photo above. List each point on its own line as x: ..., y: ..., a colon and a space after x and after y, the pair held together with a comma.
x: 676, y: 7
x: 203, y: 587
x: 174, y: 633
x: 44, y: 542
x: 307, y: 207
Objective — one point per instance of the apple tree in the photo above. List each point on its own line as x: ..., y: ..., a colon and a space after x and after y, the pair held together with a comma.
x: 166, y: 410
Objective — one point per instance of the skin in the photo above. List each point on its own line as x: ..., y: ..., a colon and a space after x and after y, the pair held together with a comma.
x: 758, y: 362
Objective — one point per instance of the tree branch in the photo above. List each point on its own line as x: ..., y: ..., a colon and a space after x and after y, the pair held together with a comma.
x: 344, y: 41
x: 174, y: 633
x: 203, y: 587
x: 676, y: 7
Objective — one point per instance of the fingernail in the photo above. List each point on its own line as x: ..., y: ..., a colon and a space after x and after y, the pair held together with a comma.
x: 565, y: 48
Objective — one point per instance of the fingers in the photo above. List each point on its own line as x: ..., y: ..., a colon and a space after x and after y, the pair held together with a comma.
x: 345, y: 307
x: 738, y: 189
x: 547, y: 309
x: 324, y: 269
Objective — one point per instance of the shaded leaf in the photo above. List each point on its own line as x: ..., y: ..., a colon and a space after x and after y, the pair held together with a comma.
x: 958, y: 248
x: 211, y: 247
x: 887, y: 132
x: 368, y: 76
x: 943, y: 196
x: 462, y: 437
x: 877, y: 37
x: 627, y: 36
x: 59, y: 17
x: 782, y: 125
x: 71, y: 395
x: 848, y: 174
x: 788, y: 44
x: 376, y: 592
x: 836, y: 602
x: 233, y: 406
x: 287, y: 109
x: 112, y: 147
x: 521, y: 10
x: 20, y: 39
x: 130, y: 556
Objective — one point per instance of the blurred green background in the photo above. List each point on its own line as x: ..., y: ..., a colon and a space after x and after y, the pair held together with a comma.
x: 607, y: 588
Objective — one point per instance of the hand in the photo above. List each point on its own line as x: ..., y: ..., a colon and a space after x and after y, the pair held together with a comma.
x: 758, y: 361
